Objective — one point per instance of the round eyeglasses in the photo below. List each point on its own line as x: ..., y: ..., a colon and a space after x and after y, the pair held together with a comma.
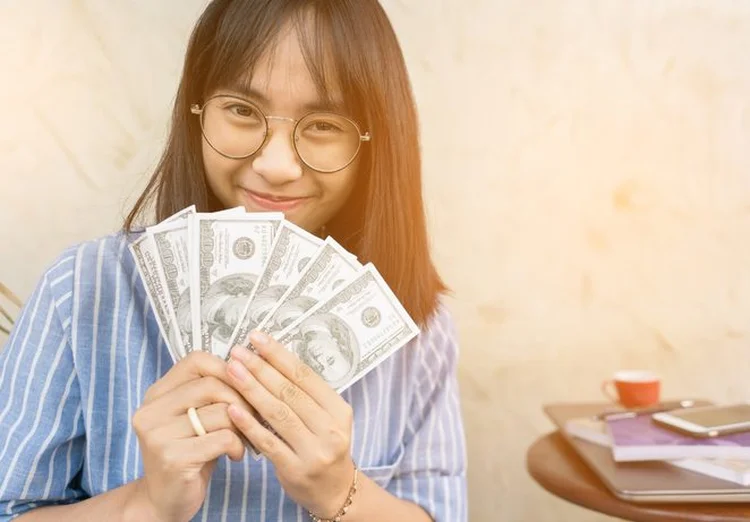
x: 237, y: 128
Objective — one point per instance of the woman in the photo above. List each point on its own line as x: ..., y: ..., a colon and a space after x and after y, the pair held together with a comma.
x: 96, y: 422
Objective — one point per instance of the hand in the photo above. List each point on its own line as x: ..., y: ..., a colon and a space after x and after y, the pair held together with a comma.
x: 310, y: 448
x: 177, y: 462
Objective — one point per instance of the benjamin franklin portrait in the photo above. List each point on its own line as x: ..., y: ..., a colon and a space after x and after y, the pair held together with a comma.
x: 327, y: 344
x: 223, y: 304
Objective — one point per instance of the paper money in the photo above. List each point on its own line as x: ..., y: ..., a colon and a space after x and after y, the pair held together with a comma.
x: 173, y: 249
x: 229, y: 253
x: 331, y: 267
x: 292, y: 250
x: 213, y: 277
x: 346, y: 336
x: 146, y: 257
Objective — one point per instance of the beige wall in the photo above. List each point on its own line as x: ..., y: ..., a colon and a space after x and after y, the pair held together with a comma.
x: 587, y: 170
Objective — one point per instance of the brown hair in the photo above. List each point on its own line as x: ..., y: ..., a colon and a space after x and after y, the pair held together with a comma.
x: 383, y: 221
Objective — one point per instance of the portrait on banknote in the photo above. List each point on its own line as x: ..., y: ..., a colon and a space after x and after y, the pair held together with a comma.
x: 288, y: 312
x: 224, y: 303
x: 327, y: 344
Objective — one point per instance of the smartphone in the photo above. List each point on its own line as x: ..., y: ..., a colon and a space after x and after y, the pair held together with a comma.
x: 707, y: 421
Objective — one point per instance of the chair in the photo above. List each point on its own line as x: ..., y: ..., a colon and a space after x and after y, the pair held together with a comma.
x: 10, y: 305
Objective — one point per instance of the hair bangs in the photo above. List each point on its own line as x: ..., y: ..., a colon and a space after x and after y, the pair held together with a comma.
x: 314, y: 29
x: 244, y: 36
x: 354, y: 59
x: 245, y: 33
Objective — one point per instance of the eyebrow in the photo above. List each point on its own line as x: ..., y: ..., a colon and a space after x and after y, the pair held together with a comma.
x: 245, y: 91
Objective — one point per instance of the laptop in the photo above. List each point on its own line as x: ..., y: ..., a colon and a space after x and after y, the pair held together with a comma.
x: 651, y: 481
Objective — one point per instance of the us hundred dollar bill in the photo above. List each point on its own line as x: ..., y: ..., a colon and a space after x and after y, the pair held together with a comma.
x: 330, y: 268
x: 292, y: 250
x: 228, y: 255
x: 173, y: 246
x: 145, y: 254
x: 346, y: 336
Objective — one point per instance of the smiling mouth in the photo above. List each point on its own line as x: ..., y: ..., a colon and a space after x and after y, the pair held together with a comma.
x: 275, y: 198
x: 274, y: 203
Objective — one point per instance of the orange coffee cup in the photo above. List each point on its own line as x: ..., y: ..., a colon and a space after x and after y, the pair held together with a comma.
x: 633, y: 388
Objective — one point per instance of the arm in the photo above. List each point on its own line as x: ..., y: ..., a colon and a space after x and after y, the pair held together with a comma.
x: 431, y: 472
x: 430, y: 479
x: 43, y: 434
x: 372, y: 503
x: 41, y: 427
x: 124, y: 504
x: 311, y: 452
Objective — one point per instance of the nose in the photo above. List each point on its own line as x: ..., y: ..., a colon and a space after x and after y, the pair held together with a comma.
x: 277, y: 161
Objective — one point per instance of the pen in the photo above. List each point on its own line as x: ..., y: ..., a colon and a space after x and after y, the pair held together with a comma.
x: 665, y: 406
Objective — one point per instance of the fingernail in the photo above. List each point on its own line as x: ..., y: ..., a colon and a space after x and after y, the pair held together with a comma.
x: 240, y: 353
x: 258, y: 338
x: 236, y: 412
x: 238, y: 371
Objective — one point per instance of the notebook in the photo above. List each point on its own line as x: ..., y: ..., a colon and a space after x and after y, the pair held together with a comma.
x: 640, y: 438
x: 596, y: 431
x: 646, y: 482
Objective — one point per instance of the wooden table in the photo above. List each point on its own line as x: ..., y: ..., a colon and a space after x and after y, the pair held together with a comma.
x: 555, y: 466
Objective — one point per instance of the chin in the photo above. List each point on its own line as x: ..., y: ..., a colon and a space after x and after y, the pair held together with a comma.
x: 301, y: 222
x: 299, y: 216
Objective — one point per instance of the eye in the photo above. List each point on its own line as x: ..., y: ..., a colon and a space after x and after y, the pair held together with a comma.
x: 325, y: 126
x: 242, y: 111
x: 319, y: 126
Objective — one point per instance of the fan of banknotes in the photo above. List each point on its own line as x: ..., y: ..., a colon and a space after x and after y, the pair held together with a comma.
x: 212, y: 278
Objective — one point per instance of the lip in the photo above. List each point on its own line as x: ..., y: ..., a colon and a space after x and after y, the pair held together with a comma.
x: 272, y: 202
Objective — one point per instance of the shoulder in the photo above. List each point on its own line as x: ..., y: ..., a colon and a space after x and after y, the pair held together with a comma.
x: 104, y: 254
x: 112, y: 247
x: 433, y: 354
x: 440, y: 332
x: 89, y: 267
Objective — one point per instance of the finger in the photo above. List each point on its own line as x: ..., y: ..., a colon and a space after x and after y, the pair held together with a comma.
x: 298, y: 372
x: 310, y: 412
x: 265, y: 442
x: 281, y: 418
x: 211, y: 446
x: 194, y: 366
x: 196, y: 394
x: 213, y: 417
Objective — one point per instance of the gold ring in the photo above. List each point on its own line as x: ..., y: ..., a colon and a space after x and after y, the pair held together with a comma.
x: 196, y: 422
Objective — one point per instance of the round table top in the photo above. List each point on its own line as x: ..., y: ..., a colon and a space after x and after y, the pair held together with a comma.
x: 555, y: 466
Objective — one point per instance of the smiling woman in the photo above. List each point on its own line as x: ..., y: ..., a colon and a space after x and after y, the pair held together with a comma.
x: 296, y: 110
x: 299, y: 107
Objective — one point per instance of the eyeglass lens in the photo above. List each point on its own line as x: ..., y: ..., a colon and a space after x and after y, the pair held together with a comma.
x: 236, y: 128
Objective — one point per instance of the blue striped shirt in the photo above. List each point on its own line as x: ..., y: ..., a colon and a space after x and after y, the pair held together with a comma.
x: 87, y: 346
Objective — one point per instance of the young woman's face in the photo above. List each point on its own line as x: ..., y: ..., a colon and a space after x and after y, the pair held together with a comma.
x: 274, y: 178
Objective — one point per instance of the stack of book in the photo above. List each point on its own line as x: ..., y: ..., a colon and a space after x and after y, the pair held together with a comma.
x: 637, y: 438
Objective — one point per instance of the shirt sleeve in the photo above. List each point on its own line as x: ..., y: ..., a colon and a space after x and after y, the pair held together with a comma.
x: 432, y: 467
x: 41, y: 426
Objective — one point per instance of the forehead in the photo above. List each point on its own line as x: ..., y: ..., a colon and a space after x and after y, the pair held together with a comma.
x: 289, y: 76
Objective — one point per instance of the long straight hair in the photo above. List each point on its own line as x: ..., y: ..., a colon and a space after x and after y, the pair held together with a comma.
x: 348, y: 45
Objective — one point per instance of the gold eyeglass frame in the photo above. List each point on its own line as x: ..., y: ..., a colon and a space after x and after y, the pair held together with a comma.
x: 199, y: 110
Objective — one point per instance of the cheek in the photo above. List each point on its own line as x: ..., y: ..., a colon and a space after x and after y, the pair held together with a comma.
x: 218, y: 171
x: 333, y: 191
x: 210, y: 166
x: 338, y: 186
x: 337, y: 189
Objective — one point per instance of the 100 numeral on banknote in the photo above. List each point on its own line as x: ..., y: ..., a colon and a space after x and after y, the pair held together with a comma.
x: 230, y: 254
